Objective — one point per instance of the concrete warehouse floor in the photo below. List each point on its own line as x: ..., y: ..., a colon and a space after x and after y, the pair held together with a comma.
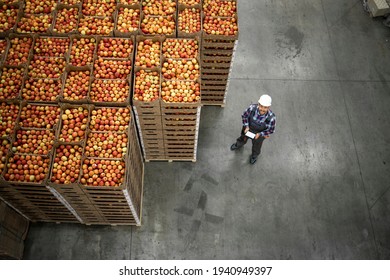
x: 321, y: 187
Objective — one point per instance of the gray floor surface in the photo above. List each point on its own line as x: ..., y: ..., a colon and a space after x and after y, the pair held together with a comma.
x: 321, y: 187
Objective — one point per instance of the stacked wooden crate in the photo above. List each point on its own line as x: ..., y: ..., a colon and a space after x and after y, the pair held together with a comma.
x: 219, y: 42
x: 13, y: 231
x: 166, y: 98
x: 52, y: 132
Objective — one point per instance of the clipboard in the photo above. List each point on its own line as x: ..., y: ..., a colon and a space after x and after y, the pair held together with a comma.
x: 251, y: 135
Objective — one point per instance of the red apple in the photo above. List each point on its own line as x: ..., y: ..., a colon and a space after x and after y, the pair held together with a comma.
x: 180, y: 91
x: 39, y: 116
x: 103, y: 172
x: 148, y: 54
x: 27, y: 168
x: 180, y: 69
x: 74, y: 124
x: 128, y: 20
x: 180, y: 48
x: 66, y: 164
x: 46, y: 67
x: 9, y: 114
x: 146, y: 86
x: 109, y: 90
x: 11, y: 82
x: 56, y: 47
x: 66, y: 20
x: 82, y: 50
x: 189, y: 20
x: 19, y: 50
x: 41, y: 89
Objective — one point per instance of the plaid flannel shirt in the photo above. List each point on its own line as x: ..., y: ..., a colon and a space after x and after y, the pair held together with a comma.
x: 270, y: 127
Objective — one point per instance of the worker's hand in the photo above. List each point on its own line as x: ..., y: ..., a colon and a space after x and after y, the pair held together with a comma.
x: 267, y: 136
x: 257, y: 136
x: 246, y: 129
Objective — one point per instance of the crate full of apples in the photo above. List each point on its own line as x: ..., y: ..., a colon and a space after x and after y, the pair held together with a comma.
x: 181, y: 48
x: 148, y: 51
x: 42, y: 90
x: 82, y: 50
x: 96, y: 25
x: 19, y: 50
x: 66, y: 19
x: 66, y: 165
x: 29, y: 169
x: 127, y: 20
x: 51, y: 46
x: 11, y: 80
x: 9, y: 112
x: 110, y: 91
x: 8, y: 17
x: 76, y: 85
x: 73, y: 123
x: 114, y: 47
x: 189, y: 21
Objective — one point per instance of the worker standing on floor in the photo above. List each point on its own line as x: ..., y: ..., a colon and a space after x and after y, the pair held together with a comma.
x: 258, y: 123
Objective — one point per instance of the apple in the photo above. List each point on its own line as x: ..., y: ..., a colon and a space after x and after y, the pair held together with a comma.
x: 46, y: 67
x: 106, y: 145
x: 109, y: 90
x: 46, y: 46
x: 4, y: 150
x: 82, y: 50
x: 74, y: 122
x: 189, y: 20
x: 8, y: 16
x: 220, y: 8
x: 189, y: 2
x: 8, y: 116
x: 128, y: 2
x: 163, y: 25
x: 180, y: 48
x: 39, y: 7
x: 220, y: 26
x: 11, y: 82
x: 98, y: 7
x: 148, y: 54
x: 3, y: 46
x: 103, y: 172
x: 110, y: 119
x: 180, y: 91
x: 19, y: 50
x: 77, y: 85
x: 146, y: 86
x: 128, y: 20
x: 31, y: 23
x: 66, y: 164
x: 39, y: 116
x: 66, y: 20
x: 96, y: 25
x: 180, y: 69
x: 27, y: 168
x: 41, y: 89
x: 111, y: 69
x: 33, y: 141
x: 115, y: 47
x: 70, y: 2
x: 158, y: 7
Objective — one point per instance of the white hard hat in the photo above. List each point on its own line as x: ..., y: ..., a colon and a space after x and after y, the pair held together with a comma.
x: 265, y: 100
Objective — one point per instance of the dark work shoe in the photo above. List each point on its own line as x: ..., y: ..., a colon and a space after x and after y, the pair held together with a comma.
x: 234, y: 147
x: 252, y: 160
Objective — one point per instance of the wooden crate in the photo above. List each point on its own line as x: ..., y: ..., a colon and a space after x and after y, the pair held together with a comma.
x: 37, y: 203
